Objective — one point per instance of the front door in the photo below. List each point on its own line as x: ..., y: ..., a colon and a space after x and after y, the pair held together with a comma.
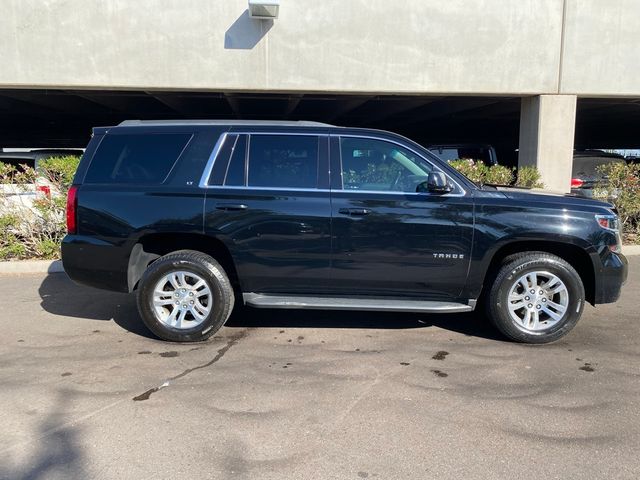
x: 388, y: 239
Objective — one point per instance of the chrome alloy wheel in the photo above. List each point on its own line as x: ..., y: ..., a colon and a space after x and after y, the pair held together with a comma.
x: 537, y: 301
x: 182, y: 300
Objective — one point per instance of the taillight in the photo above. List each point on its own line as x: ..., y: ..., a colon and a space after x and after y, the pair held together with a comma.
x: 45, y: 189
x: 576, y: 183
x: 72, y: 207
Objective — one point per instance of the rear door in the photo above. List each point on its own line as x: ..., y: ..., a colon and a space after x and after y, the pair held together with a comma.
x: 268, y: 200
x: 388, y: 239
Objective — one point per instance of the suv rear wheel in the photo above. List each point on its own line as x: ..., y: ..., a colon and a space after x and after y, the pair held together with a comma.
x: 536, y: 297
x: 185, y: 296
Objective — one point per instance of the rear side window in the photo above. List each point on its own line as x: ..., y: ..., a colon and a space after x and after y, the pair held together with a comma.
x: 136, y: 158
x: 283, y: 161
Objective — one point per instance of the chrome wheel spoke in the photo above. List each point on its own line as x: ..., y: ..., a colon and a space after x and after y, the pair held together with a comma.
x: 555, y: 316
x: 560, y: 309
x: 535, y: 318
x: 202, y: 293
x: 163, y: 301
x: 183, y: 313
x: 198, y: 312
x: 173, y: 279
x: 537, y: 301
x: 516, y: 296
x: 182, y: 299
x: 171, y: 319
x: 517, y: 306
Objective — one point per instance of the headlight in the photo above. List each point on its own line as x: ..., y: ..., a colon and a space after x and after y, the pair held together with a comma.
x: 609, y: 222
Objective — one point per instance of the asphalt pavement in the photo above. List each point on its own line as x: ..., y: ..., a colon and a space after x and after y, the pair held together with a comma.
x: 87, y: 392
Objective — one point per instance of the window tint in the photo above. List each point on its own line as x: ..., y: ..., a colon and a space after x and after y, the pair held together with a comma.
x: 377, y: 165
x: 136, y: 158
x: 283, y: 161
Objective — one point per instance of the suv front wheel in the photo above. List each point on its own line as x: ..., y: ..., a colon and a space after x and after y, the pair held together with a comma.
x: 536, y: 297
x: 185, y: 296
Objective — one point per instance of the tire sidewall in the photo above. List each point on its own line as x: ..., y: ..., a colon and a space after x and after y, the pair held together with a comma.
x: 162, y: 267
x: 501, y: 291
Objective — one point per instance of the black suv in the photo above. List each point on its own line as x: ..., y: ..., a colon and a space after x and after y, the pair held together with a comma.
x: 197, y: 215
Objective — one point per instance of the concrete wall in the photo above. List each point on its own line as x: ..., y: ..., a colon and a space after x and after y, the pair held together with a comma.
x: 601, y: 48
x: 386, y: 46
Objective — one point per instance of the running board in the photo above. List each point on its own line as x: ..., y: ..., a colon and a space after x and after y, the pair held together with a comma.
x: 259, y: 300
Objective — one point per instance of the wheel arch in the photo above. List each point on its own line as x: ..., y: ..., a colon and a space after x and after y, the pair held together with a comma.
x: 155, y: 245
x: 575, y: 255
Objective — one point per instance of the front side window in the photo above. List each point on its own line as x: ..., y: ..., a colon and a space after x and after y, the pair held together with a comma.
x: 136, y: 158
x: 378, y: 165
x: 283, y: 161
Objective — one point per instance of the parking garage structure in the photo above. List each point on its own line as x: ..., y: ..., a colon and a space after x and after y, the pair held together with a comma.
x: 533, y: 78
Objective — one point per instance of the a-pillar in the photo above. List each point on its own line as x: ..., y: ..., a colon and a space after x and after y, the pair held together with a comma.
x: 547, y: 129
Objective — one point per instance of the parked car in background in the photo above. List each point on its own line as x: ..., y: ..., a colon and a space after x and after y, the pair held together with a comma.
x: 585, y: 176
x: 473, y: 151
x: 632, y: 159
x: 19, y: 198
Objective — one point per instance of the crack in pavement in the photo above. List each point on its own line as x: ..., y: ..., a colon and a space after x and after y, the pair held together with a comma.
x: 232, y: 341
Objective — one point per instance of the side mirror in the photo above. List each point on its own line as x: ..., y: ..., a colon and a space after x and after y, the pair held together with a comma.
x: 436, y: 183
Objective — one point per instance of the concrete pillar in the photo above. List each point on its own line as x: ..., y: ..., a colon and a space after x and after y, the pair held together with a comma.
x: 547, y: 128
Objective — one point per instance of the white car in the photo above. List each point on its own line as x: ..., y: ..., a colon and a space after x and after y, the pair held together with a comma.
x: 18, y: 199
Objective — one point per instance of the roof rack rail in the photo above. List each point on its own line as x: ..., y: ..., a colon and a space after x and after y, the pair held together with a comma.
x: 282, y: 123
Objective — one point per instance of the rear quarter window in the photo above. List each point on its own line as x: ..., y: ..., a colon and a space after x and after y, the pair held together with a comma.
x: 136, y: 158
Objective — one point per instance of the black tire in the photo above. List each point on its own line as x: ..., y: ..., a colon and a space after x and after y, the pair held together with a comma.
x: 206, y: 268
x: 513, y: 268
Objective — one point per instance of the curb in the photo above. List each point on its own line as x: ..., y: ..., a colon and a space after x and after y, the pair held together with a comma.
x: 32, y: 266
x: 629, y: 250
x: 55, y: 266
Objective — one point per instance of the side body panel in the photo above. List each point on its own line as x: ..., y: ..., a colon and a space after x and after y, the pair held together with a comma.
x: 501, y: 221
x: 112, y: 218
x: 279, y: 238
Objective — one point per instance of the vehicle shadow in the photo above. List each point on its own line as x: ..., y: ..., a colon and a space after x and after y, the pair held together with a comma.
x: 469, y: 324
x: 60, y: 296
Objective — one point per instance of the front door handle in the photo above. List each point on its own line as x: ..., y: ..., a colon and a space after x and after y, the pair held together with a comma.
x: 231, y: 206
x: 356, y: 212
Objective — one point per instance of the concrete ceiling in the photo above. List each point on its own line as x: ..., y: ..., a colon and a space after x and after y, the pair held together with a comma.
x: 64, y: 118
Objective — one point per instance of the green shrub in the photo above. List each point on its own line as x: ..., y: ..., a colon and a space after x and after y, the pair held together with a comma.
x: 474, y: 171
x: 36, y: 232
x: 528, y: 177
x: 622, y: 188
x: 499, y: 175
x: 477, y: 171
x: 10, y: 244
x: 60, y: 170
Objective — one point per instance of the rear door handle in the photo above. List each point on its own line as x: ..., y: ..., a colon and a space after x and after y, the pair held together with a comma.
x: 231, y: 206
x: 356, y: 212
